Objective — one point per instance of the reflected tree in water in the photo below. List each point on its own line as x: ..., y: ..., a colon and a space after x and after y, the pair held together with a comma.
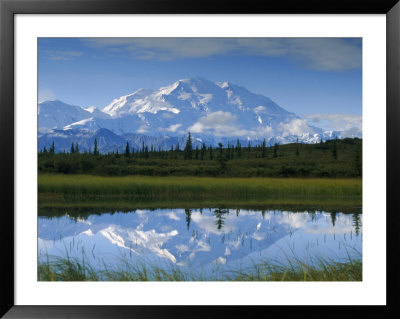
x: 333, y: 218
x: 188, y: 213
x: 357, y: 223
x: 219, y: 215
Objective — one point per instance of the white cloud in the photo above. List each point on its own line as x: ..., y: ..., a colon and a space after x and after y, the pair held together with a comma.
x: 182, y: 248
x: 330, y: 230
x: 226, y: 124
x: 220, y: 260
x: 219, y: 123
x: 142, y: 129
x: 62, y: 55
x: 315, y: 53
x: 207, y: 223
x: 164, y: 48
x: 172, y: 215
x: 294, y: 127
x: 173, y: 128
x: 336, y: 122
x: 46, y: 95
x: 298, y: 220
x: 259, y: 109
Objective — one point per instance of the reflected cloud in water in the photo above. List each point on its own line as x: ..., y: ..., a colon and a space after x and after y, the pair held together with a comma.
x: 201, y: 238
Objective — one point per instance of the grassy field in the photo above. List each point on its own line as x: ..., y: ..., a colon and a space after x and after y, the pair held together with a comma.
x: 67, y: 269
x: 147, y: 188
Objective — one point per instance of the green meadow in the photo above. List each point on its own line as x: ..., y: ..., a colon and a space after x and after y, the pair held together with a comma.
x: 322, y: 174
x: 150, y: 188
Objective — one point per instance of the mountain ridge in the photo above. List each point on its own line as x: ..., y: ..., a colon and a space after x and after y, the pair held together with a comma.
x: 213, y: 112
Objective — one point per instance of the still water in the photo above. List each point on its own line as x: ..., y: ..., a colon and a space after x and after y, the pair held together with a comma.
x: 199, y: 240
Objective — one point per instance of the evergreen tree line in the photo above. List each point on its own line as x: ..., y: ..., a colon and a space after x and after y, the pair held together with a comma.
x: 201, y: 153
x: 296, y: 159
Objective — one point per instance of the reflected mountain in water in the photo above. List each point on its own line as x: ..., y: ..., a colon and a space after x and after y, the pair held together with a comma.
x: 200, y: 238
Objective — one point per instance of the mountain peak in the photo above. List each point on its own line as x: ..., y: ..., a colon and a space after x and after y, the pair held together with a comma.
x: 194, y: 104
x: 223, y: 85
x: 198, y: 104
x: 53, y: 102
x: 195, y: 79
x: 188, y: 86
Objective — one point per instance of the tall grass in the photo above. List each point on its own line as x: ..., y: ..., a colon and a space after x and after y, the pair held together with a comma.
x: 198, y: 188
x: 67, y: 269
x: 320, y: 269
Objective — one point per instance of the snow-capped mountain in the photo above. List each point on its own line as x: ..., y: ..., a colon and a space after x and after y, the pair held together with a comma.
x: 212, y: 112
x: 219, y: 109
x: 107, y: 141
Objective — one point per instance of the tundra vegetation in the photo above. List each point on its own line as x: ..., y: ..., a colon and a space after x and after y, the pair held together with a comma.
x: 338, y: 158
x: 322, y: 176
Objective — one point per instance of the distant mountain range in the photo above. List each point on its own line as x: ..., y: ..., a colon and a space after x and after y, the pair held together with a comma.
x: 212, y: 112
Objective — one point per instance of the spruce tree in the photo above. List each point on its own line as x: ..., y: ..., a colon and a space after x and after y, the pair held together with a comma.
x: 127, y: 152
x: 264, y: 149
x: 334, y: 150
x: 52, y: 148
x: 221, y: 157
x: 77, y: 148
x: 238, y: 149
x: 96, y: 149
x: 276, y: 146
x: 358, y: 160
x: 188, y: 151
x: 72, y: 148
x: 203, y: 151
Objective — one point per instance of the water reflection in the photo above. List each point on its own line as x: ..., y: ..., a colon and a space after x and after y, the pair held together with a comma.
x: 201, y: 238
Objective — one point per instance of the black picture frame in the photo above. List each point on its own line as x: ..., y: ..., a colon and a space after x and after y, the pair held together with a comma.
x: 9, y: 8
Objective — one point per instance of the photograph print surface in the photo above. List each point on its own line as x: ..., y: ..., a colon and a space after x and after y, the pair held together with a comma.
x: 199, y: 159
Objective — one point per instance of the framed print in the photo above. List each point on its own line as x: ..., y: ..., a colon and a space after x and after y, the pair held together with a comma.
x: 157, y: 156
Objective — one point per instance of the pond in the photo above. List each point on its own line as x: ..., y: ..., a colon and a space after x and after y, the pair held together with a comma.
x: 201, y: 241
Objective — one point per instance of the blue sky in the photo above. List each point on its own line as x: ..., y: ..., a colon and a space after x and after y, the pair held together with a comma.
x: 303, y: 75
